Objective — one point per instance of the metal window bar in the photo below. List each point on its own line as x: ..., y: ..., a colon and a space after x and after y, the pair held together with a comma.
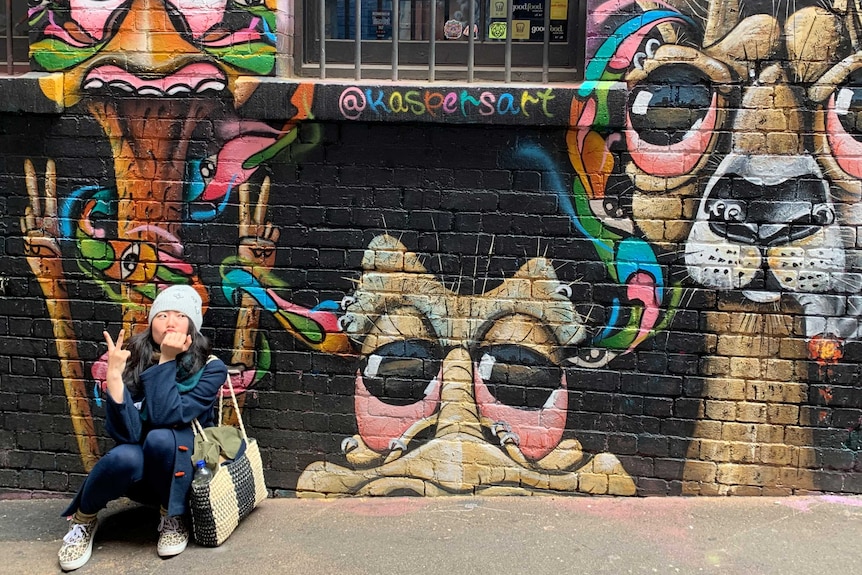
x: 395, y: 25
x: 357, y: 24
x: 471, y: 48
x: 9, y: 67
x: 432, y: 42
x: 321, y: 7
x: 509, y: 31
x: 546, y: 43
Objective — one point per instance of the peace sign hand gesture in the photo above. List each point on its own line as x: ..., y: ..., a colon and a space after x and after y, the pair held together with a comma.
x: 40, y: 224
x: 117, y: 358
x: 257, y: 236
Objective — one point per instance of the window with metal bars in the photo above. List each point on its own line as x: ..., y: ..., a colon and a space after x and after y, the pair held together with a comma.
x: 511, y: 40
x: 14, y: 57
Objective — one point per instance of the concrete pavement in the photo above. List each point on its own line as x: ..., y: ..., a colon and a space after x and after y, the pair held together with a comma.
x: 475, y: 536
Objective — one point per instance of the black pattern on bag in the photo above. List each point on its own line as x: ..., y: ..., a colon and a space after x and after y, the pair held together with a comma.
x: 203, y: 520
x: 244, y: 483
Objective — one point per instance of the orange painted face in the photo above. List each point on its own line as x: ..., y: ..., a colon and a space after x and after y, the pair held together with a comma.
x: 150, y: 72
x: 157, y: 75
x: 152, y: 48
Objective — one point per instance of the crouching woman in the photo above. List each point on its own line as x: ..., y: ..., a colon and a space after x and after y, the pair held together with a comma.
x: 156, y: 385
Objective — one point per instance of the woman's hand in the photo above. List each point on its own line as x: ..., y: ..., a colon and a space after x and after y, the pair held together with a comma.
x: 174, y: 344
x: 117, y: 358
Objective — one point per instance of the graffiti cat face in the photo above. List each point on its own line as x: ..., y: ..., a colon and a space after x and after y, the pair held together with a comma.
x: 452, y: 385
x: 739, y: 140
x: 495, y: 354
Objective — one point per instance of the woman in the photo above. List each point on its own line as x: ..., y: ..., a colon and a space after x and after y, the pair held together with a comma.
x: 161, y: 381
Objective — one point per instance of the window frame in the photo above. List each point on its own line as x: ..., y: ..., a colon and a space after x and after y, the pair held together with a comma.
x: 566, y: 60
x: 11, y: 42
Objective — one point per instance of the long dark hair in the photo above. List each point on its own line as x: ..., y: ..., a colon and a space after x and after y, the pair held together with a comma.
x: 145, y: 353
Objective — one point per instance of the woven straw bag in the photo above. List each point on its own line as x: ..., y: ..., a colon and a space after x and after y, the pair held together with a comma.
x: 235, y: 489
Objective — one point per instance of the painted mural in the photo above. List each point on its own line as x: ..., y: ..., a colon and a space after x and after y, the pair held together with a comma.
x: 461, y: 394
x: 736, y: 145
x: 152, y: 73
x: 712, y: 148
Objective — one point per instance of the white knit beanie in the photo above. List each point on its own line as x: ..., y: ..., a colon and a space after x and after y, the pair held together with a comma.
x: 183, y: 299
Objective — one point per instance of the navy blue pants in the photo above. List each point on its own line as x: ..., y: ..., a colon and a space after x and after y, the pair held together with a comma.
x: 140, y: 472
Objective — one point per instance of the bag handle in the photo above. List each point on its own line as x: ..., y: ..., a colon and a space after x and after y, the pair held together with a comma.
x: 198, y: 429
x: 229, y: 385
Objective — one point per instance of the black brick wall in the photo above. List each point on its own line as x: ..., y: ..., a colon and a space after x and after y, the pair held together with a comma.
x: 444, y: 191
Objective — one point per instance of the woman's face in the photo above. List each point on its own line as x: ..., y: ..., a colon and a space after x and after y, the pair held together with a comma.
x: 166, y: 322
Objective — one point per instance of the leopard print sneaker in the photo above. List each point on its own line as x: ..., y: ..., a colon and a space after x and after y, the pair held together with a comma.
x: 77, y: 545
x: 173, y: 536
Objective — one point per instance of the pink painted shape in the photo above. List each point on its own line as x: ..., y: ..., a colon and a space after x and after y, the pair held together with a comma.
x: 641, y: 287
x: 241, y: 382
x: 53, y: 30
x: 379, y: 423
x: 845, y: 148
x: 539, y: 431
x: 327, y: 319
x: 91, y: 16
x: 167, y: 239
x: 229, y: 171
x: 201, y: 15
x: 99, y: 371
x: 175, y: 264
x: 243, y: 139
x: 842, y: 500
x: 676, y: 159
x: 806, y: 504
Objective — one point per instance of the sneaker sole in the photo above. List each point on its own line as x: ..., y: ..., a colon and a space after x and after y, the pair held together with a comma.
x: 172, y: 550
x: 81, y: 561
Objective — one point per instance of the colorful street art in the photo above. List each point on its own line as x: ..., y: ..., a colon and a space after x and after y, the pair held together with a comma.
x: 712, y: 149
x: 355, y: 103
x: 480, y: 374
x: 736, y: 142
x: 150, y: 87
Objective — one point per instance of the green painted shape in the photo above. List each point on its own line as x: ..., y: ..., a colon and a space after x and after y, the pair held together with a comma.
x: 54, y: 55
x: 603, y: 238
x: 97, y: 252
x: 264, y: 358
x: 672, y: 306
x: 626, y: 335
x: 266, y: 15
x: 257, y: 57
x: 165, y: 274
x: 268, y: 153
x: 309, y: 328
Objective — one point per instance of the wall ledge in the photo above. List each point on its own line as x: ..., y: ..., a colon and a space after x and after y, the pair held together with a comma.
x: 24, y: 94
x: 419, y: 102
x: 358, y: 101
